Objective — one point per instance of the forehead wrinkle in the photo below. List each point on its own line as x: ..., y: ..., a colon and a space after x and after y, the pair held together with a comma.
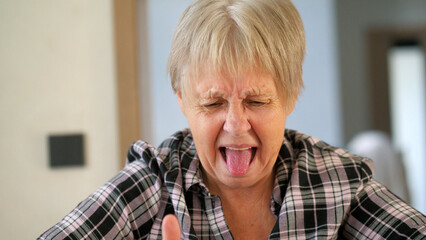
x: 233, y: 85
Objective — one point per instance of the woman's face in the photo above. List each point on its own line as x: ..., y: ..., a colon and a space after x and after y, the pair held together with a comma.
x: 237, y: 125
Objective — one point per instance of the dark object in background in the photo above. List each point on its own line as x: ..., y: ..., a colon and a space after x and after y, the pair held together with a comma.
x: 66, y: 150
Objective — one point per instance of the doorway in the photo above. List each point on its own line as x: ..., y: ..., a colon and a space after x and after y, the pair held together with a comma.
x: 396, y: 62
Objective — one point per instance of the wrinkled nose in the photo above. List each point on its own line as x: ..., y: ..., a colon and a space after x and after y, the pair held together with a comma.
x: 236, y: 122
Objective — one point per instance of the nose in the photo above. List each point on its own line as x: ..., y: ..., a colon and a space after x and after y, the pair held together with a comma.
x: 236, y: 122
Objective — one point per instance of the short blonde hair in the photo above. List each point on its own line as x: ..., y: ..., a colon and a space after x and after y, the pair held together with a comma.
x: 235, y: 36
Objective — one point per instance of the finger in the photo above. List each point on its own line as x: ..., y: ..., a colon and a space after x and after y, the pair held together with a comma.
x: 170, y: 228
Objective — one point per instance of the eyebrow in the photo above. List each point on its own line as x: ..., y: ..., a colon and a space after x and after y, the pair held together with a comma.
x: 211, y: 93
x: 255, y: 92
x: 215, y: 93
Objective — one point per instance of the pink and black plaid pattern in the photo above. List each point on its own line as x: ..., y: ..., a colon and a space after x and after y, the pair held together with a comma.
x: 320, y: 192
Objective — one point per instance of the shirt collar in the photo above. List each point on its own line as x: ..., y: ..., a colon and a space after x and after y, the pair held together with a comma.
x: 192, y: 174
x: 190, y: 165
x: 284, y: 167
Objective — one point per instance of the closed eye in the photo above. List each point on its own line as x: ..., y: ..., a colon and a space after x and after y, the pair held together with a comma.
x: 256, y: 103
x: 212, y: 105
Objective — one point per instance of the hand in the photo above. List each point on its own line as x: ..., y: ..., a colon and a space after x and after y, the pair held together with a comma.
x: 170, y: 228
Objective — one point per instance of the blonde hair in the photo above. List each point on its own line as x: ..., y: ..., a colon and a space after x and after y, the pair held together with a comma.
x: 235, y: 36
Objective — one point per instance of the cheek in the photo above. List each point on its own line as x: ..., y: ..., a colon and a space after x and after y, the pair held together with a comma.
x: 269, y: 121
x: 205, y: 130
x: 270, y: 131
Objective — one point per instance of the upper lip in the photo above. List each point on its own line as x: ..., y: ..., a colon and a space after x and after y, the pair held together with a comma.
x: 238, y: 148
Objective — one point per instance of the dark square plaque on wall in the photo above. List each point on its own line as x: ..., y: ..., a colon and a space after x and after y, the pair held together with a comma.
x: 66, y: 150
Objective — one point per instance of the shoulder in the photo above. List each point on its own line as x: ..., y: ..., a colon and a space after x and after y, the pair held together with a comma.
x: 377, y: 213
x: 130, y: 202
x: 316, y: 156
x: 159, y: 160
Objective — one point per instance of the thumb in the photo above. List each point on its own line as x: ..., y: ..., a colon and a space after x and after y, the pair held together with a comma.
x: 170, y: 228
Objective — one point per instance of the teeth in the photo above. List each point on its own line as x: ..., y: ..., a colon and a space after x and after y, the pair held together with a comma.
x: 238, y: 149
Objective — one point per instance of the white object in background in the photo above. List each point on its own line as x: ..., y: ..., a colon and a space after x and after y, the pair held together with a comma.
x: 389, y: 167
x: 408, y: 112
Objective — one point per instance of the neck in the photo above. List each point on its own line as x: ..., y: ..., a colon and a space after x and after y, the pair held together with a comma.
x: 243, y: 207
x: 260, y: 192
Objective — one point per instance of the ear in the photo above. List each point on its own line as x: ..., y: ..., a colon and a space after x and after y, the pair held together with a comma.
x: 180, y: 101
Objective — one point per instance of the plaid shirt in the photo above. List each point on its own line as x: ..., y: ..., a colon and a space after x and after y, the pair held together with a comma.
x: 320, y: 192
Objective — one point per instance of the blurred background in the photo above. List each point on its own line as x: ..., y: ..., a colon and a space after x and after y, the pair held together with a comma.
x: 97, y: 69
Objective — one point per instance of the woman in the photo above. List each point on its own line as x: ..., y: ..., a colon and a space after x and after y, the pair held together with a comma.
x: 236, y: 68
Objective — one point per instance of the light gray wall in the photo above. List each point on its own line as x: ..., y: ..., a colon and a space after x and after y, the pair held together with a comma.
x: 163, y: 117
x: 57, y: 75
x: 354, y: 19
x: 318, y: 109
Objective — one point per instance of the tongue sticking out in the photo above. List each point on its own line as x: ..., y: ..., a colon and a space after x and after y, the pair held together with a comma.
x: 238, y: 161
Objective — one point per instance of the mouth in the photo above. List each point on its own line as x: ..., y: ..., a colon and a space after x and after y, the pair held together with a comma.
x: 223, y: 151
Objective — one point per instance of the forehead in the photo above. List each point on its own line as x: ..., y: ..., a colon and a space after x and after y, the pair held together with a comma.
x: 209, y: 84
